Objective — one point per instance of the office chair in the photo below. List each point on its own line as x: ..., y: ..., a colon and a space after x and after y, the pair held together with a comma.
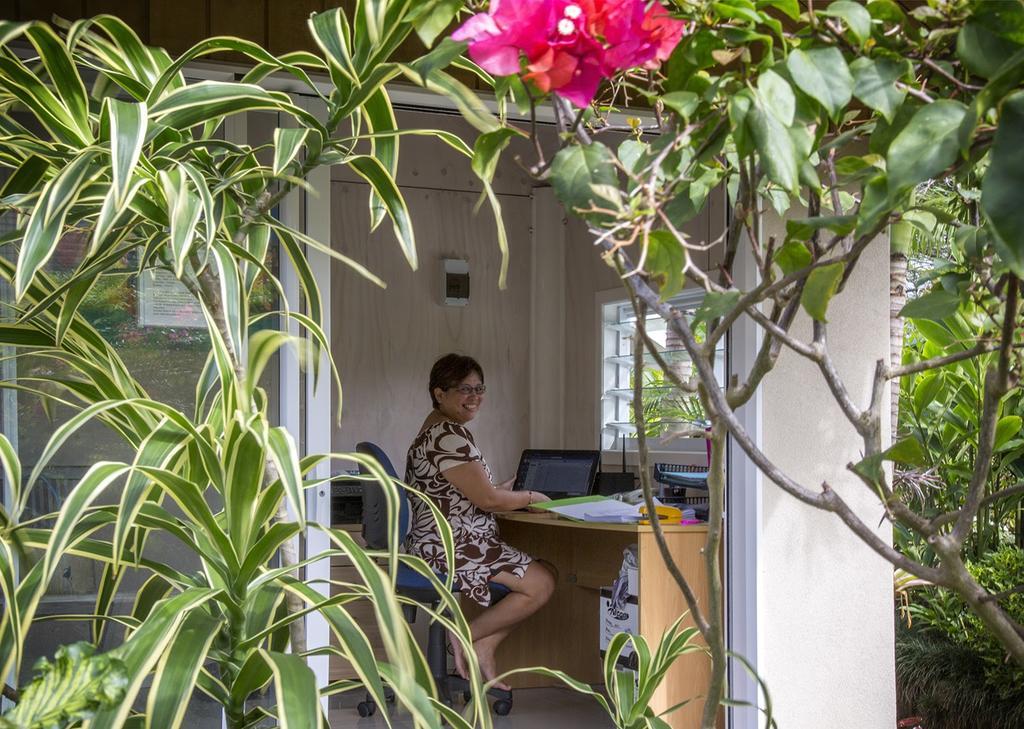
x: 410, y: 583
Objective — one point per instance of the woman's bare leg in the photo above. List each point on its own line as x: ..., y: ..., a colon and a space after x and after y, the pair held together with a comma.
x: 528, y: 594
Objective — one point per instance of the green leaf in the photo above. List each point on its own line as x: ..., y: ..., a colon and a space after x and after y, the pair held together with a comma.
x: 855, y: 15
x: 982, y: 50
x: 792, y: 257
x: 886, y: 10
x: 935, y: 333
x: 804, y: 228
x: 25, y: 178
x: 145, y: 647
x: 184, y: 209
x: 908, y: 451
x: 175, y: 678
x: 774, y: 144
x: 288, y: 143
x: 66, y: 81
x: 1003, y: 18
x: 127, y: 133
x: 822, y: 74
x: 383, y: 184
x: 925, y: 389
x: 665, y: 261
x: 821, y: 286
x: 1002, y: 184
x: 68, y: 690
x: 285, y: 455
x: 790, y: 8
x: 298, y: 701
x: 777, y: 95
x: 208, y: 101
x: 716, y: 305
x: 487, y: 151
x: 1007, y: 427
x: 874, y: 83
x: 683, y: 103
x: 936, y: 305
x: 436, y: 16
x: 46, y: 223
x: 575, y: 173
x: 468, y: 103
x: 926, y: 146
x: 380, y: 119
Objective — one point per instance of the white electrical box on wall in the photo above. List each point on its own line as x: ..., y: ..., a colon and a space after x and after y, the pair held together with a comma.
x: 454, y: 282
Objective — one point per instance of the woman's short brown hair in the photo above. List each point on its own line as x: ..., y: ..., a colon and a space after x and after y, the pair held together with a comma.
x: 450, y: 370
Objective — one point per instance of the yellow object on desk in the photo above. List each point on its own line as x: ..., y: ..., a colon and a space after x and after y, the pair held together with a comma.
x: 664, y: 513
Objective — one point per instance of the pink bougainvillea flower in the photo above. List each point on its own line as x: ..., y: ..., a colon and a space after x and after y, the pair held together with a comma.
x: 639, y: 38
x: 568, y: 46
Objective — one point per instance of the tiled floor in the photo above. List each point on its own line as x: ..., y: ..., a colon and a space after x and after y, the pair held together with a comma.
x: 538, y: 708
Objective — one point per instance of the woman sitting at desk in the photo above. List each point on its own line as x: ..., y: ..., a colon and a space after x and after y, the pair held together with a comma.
x: 445, y: 465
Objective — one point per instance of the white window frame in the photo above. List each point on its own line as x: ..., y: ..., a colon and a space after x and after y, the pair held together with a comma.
x: 607, y: 338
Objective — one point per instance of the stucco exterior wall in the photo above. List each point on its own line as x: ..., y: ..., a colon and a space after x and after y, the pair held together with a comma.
x: 826, y: 610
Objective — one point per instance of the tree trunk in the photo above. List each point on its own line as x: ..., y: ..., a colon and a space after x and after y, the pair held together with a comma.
x: 897, y: 299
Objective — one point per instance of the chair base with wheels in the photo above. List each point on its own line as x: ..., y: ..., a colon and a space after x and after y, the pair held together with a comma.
x: 415, y: 586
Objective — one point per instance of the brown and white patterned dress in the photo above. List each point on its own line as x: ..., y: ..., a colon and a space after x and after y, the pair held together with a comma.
x: 479, y: 552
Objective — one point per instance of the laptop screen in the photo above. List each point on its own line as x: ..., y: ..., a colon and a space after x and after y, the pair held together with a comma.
x: 569, y: 473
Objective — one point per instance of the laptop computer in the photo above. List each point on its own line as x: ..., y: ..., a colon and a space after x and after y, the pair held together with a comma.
x: 558, y: 474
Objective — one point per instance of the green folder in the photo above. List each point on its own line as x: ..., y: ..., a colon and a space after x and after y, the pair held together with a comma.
x: 568, y: 502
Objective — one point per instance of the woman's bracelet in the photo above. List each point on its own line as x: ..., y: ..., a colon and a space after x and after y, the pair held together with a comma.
x: 529, y: 498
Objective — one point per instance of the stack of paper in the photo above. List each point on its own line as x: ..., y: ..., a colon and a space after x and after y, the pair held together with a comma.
x: 593, y: 508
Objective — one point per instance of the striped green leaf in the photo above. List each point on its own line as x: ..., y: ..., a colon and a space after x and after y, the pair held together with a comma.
x: 178, y: 670
x: 28, y: 88
x: 244, y: 458
x: 46, y: 223
x: 380, y: 118
x: 298, y: 704
x: 157, y: 450
x: 232, y: 298
x: 285, y: 456
x: 146, y: 646
x: 288, y: 143
x: 466, y: 101
x: 184, y: 209
x: 210, y: 100
x: 77, y: 291
x: 85, y: 492
x: 10, y: 621
x: 27, y: 176
x: 127, y: 133
x: 12, y: 478
x: 332, y: 33
x: 383, y: 184
x: 227, y: 44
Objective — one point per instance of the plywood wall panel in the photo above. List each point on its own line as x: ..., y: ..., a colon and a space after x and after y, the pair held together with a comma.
x: 585, y: 275
x: 133, y: 12
x: 385, y: 341
x: 242, y: 18
x: 46, y: 9
x: 287, y: 29
x: 179, y: 24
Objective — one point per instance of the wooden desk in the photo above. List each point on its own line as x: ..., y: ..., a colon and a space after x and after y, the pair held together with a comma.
x: 564, y: 634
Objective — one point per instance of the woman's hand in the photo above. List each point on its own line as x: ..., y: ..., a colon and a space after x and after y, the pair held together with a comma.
x: 537, y: 497
x: 506, y: 485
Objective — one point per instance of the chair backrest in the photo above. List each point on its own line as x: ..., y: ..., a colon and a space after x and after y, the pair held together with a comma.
x: 375, y: 506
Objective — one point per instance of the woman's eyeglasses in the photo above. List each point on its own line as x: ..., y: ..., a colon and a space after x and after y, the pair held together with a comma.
x: 469, y: 389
